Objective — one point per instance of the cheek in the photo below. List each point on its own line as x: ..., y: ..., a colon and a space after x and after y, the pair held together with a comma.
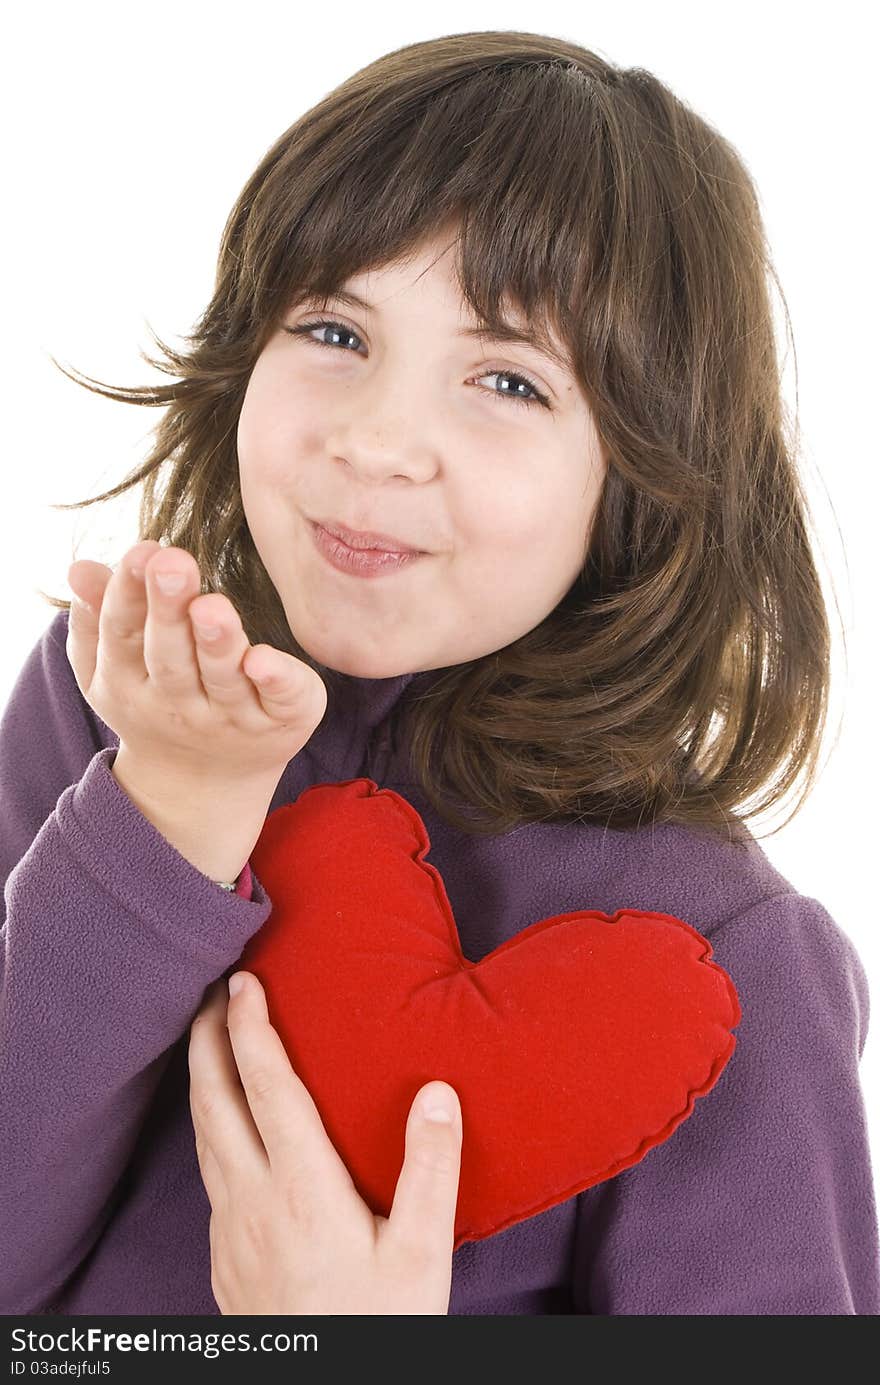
x: 510, y: 512
x: 254, y: 421
x: 505, y: 529
x: 269, y: 437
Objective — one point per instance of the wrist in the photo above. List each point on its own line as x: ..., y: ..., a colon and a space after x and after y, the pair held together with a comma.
x: 165, y: 783
x: 214, y: 827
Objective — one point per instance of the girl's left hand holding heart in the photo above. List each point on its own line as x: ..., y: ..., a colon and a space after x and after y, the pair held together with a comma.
x: 289, y: 1232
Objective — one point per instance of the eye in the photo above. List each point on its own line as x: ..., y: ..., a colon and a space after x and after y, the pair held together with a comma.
x: 306, y: 327
x: 339, y: 327
x: 539, y: 398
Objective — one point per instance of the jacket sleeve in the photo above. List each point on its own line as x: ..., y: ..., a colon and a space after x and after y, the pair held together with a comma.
x: 762, y: 1201
x: 109, y: 940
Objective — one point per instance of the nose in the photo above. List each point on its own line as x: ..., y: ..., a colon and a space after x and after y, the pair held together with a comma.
x: 383, y: 432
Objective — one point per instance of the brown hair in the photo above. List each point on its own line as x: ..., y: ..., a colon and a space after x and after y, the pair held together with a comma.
x: 688, y: 666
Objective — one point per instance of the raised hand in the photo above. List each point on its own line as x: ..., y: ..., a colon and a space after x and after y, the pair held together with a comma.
x: 206, y: 724
x: 175, y: 694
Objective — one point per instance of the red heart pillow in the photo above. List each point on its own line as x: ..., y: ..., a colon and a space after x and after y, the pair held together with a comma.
x: 575, y: 1047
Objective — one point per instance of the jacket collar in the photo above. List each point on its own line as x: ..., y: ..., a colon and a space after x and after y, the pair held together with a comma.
x: 357, y: 720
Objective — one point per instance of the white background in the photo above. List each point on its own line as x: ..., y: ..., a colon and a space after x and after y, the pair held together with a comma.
x: 128, y: 134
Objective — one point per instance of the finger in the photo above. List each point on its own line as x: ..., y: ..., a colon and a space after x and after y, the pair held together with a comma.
x: 212, y: 1174
x: 289, y: 690
x: 220, y: 1113
x: 423, y: 1211
x: 89, y: 579
x: 299, y: 1150
x: 169, y: 642
x: 82, y: 642
x: 220, y: 646
x: 89, y: 582
x: 123, y: 613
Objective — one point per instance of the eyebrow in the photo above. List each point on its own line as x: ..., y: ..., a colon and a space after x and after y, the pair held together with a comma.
x: 507, y: 331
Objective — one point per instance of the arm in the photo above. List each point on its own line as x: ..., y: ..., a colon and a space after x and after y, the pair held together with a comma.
x: 109, y: 942
x: 762, y: 1202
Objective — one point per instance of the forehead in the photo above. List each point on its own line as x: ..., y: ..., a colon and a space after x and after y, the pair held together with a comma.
x: 430, y: 271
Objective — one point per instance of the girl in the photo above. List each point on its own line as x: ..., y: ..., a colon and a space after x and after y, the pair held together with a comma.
x: 502, y: 309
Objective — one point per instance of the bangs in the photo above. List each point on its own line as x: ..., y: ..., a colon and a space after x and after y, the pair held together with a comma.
x: 529, y: 233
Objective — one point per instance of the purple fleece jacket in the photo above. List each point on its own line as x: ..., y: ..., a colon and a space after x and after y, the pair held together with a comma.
x: 761, y: 1202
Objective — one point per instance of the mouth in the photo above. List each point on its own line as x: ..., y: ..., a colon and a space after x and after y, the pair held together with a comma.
x: 360, y: 562
x: 361, y: 539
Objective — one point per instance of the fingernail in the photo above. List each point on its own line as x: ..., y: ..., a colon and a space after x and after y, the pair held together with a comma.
x: 434, y: 1110
x: 235, y: 983
x: 170, y: 582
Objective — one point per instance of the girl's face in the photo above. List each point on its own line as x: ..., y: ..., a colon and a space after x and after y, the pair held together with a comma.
x: 401, y: 423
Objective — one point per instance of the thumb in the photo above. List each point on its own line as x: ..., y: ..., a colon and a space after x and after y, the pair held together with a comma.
x: 423, y: 1210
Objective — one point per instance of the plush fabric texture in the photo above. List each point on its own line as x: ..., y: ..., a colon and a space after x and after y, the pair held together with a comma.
x: 575, y: 1047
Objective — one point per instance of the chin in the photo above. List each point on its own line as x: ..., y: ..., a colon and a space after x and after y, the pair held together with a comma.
x: 366, y: 668
x: 357, y: 663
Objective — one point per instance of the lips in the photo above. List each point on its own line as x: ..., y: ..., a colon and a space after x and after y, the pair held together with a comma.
x: 364, y: 538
